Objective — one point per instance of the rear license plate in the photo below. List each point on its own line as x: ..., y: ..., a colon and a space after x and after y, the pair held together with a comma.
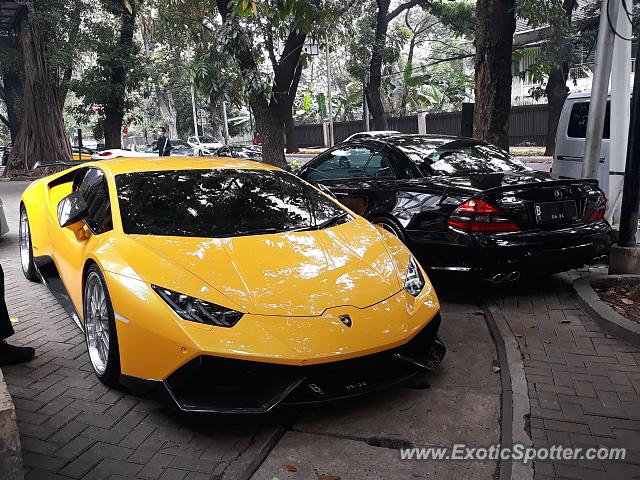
x: 551, y: 212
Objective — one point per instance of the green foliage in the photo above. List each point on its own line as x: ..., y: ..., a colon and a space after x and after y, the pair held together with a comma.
x: 459, y: 16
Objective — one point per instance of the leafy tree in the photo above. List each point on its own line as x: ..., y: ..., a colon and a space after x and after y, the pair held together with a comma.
x: 47, y: 40
x: 117, y: 71
x: 374, y: 82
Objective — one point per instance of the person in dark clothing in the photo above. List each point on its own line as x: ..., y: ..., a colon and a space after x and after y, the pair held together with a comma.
x: 163, y: 145
x: 9, y: 354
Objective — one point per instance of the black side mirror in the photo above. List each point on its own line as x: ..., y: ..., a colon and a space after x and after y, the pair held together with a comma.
x: 72, y: 210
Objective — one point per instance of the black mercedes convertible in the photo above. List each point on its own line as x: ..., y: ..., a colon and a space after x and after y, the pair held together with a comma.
x: 464, y: 205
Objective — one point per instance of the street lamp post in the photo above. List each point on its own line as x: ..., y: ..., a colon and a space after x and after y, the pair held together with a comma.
x: 625, y: 257
x: 329, y: 111
x: 193, y: 106
x: 599, y: 89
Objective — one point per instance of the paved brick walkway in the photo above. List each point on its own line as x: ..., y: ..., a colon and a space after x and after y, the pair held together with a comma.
x: 584, y: 385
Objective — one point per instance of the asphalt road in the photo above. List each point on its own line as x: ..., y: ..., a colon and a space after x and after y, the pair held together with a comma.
x: 73, y: 426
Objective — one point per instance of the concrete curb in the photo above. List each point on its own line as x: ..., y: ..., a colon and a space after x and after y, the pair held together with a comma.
x: 250, y: 460
x: 10, y: 450
x: 515, y: 393
x: 611, y: 321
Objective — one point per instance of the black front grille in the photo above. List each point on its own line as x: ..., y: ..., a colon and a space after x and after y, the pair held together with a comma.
x: 227, y: 385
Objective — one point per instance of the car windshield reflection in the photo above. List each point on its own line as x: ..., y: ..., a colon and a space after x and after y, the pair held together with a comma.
x: 221, y: 203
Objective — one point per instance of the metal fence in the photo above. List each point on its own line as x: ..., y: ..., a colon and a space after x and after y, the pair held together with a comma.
x: 527, y: 126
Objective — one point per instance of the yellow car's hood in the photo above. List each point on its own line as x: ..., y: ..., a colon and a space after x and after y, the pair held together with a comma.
x: 289, y: 274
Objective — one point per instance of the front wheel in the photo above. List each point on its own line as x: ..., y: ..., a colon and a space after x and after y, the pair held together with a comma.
x: 26, y: 249
x: 100, y: 329
x: 391, y: 226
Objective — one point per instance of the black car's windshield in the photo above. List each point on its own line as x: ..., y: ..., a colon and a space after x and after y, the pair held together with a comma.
x: 458, y: 157
x: 220, y: 203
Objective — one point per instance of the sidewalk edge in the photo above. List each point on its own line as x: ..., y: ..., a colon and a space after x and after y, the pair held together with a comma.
x: 611, y: 321
x: 515, y: 392
x: 10, y: 448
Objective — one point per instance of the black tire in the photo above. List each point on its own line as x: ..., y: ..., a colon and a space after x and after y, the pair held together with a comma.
x: 390, y: 225
x: 26, y: 249
x: 110, y: 374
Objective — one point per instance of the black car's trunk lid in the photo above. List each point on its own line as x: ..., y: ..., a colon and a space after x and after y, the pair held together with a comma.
x: 532, y: 200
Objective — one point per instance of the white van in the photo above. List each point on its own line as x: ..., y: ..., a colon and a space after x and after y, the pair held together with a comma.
x: 570, y: 140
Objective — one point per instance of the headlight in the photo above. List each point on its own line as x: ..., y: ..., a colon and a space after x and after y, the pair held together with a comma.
x: 196, y: 310
x: 415, y: 281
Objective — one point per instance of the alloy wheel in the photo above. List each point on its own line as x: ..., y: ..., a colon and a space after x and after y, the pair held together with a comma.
x: 25, y: 241
x: 97, y: 323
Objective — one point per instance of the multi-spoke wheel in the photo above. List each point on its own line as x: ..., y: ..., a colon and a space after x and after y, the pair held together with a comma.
x: 390, y: 226
x: 26, y: 250
x: 100, y: 328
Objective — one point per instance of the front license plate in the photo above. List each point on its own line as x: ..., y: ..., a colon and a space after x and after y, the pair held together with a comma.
x: 551, y: 212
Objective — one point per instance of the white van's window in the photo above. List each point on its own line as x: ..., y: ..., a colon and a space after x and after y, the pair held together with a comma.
x: 577, y: 127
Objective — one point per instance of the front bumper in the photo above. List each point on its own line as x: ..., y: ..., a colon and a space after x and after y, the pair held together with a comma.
x: 531, y: 252
x: 223, y: 385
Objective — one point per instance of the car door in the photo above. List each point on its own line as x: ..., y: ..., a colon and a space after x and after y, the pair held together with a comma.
x: 359, y: 176
x: 71, y: 248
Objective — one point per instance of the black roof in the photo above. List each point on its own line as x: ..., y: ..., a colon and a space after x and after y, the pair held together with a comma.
x: 407, y: 139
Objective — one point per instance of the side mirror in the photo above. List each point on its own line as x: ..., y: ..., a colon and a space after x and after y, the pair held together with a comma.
x: 72, y: 210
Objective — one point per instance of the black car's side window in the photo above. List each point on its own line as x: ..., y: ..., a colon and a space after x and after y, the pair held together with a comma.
x: 378, y: 167
x: 348, y: 162
x: 95, y: 192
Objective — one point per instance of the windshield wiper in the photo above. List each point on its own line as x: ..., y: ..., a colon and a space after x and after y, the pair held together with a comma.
x: 330, y: 222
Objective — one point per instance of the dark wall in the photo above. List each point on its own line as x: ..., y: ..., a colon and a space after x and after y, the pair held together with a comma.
x: 528, y: 126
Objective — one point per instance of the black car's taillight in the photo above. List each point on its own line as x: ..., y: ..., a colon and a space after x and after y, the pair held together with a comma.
x: 601, y: 207
x: 476, y: 215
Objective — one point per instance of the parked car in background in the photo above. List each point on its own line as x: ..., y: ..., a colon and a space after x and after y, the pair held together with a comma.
x: 370, y: 134
x: 249, y: 152
x: 570, y: 139
x: 179, y: 148
x: 119, y: 153
x: 79, y: 154
x: 204, y: 144
x: 463, y: 205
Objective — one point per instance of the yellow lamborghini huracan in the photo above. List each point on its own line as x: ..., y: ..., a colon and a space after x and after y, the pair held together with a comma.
x: 227, y: 286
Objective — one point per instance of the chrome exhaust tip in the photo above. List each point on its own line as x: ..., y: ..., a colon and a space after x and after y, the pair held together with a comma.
x: 499, y: 278
x: 513, y: 276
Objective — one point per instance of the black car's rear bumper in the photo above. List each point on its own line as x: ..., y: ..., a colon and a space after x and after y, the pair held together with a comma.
x: 222, y: 385
x: 535, y: 251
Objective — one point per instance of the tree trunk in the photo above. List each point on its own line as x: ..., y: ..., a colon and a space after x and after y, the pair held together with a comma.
x: 42, y: 137
x: 270, y: 130
x: 115, y: 109
x: 556, y: 89
x: 408, y: 69
x: 495, y: 25
x: 557, y: 92
x: 167, y: 108
x: 287, y: 112
x: 374, y: 83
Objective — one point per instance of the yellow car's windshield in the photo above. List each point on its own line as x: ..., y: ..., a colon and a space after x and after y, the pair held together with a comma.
x: 221, y: 203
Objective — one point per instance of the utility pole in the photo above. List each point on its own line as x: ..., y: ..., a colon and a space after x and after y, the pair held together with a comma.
x: 225, y: 127
x: 365, y: 108
x: 599, y: 89
x: 193, y: 106
x: 620, y: 86
x: 625, y: 257
x: 329, y: 112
